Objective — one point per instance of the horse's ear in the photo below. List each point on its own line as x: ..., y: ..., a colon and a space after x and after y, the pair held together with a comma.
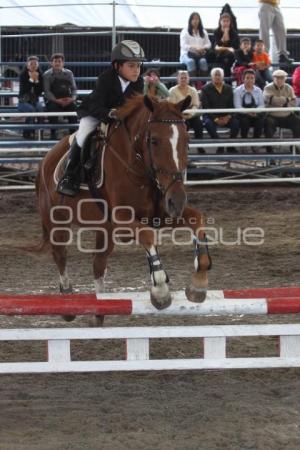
x: 148, y: 103
x: 184, y: 104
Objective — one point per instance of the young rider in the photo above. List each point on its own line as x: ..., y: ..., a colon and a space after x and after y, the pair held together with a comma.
x: 113, y: 87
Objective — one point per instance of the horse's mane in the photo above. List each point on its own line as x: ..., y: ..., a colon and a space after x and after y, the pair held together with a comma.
x: 137, y: 102
x: 130, y: 106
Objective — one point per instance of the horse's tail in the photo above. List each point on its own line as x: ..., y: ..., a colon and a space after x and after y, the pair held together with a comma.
x: 43, y: 244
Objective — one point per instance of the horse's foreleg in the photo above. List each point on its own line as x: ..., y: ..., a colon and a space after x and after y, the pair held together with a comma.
x: 104, y: 247
x: 59, y: 254
x: 196, y: 290
x: 159, y: 292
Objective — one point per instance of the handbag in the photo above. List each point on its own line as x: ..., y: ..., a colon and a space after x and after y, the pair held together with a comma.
x: 195, y: 55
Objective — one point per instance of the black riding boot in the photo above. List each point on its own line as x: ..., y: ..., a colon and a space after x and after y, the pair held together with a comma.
x: 70, y: 182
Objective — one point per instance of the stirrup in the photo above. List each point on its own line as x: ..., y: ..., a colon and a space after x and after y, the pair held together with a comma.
x: 67, y: 186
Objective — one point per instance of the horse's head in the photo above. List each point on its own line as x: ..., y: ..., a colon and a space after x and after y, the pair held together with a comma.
x: 165, y: 151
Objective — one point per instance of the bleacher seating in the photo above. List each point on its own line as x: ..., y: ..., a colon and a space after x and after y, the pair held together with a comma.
x: 204, y: 165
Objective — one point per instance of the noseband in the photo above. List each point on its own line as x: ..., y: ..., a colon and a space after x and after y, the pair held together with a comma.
x: 154, y: 171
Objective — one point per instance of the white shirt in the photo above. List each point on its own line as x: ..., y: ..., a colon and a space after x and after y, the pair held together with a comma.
x: 124, y: 83
x: 187, y: 41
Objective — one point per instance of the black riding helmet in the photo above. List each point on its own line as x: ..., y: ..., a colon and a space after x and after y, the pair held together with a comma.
x: 127, y: 51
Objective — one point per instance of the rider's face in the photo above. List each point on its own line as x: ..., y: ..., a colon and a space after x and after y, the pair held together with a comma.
x: 130, y: 70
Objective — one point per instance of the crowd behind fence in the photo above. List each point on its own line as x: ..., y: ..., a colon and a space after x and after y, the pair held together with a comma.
x: 96, y: 47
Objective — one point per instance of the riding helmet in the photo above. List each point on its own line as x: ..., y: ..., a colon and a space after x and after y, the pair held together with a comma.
x: 127, y: 51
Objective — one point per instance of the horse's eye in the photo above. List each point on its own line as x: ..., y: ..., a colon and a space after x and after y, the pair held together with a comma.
x: 153, y: 141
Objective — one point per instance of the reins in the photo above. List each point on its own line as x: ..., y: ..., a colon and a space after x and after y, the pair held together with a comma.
x: 152, y: 171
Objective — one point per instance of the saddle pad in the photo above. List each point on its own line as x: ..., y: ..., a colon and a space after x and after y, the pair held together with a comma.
x: 59, y: 169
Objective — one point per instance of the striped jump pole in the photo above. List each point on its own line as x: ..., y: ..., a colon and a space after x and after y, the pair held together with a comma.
x: 219, y: 302
x: 261, y: 301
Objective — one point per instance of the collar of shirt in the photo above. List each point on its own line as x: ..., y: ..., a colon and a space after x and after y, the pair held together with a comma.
x: 124, y: 83
x: 254, y: 89
x: 55, y: 72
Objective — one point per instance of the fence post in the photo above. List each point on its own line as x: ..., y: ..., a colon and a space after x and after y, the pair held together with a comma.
x: 114, y: 32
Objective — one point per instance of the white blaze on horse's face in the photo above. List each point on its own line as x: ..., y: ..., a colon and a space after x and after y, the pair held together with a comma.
x: 174, y: 142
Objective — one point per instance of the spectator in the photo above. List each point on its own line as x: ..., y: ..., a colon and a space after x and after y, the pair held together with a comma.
x: 153, y: 86
x: 227, y: 9
x: 280, y: 94
x: 296, y: 84
x: 270, y: 16
x: 261, y: 63
x: 31, y: 88
x: 249, y: 96
x: 243, y: 59
x: 226, y: 41
x: 218, y: 95
x: 180, y: 92
x: 194, y: 46
x: 60, y: 91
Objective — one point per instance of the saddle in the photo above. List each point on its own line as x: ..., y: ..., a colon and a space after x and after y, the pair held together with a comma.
x: 91, y: 159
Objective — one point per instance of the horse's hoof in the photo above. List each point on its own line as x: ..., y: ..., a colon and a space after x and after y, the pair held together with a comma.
x: 68, y: 290
x: 161, y: 302
x: 196, y: 295
x: 96, y: 321
x: 69, y: 318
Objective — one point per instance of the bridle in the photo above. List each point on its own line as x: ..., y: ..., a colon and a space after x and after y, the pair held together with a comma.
x: 176, y: 176
x: 152, y: 171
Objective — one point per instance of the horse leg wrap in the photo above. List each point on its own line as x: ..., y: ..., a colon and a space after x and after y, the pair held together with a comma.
x: 155, y: 266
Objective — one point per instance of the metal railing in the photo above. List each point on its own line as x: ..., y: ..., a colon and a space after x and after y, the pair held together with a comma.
x: 228, y: 169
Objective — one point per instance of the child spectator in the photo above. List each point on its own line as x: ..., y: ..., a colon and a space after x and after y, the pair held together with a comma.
x: 261, y: 63
x: 153, y: 86
x: 296, y: 84
x: 243, y: 60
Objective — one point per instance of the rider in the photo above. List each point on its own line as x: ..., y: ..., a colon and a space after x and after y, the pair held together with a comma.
x: 113, y: 87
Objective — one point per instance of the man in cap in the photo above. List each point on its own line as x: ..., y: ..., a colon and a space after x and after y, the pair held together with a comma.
x: 113, y: 86
x: 279, y: 94
x: 270, y: 16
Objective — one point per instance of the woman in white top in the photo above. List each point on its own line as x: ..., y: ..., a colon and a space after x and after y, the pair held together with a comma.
x: 180, y: 92
x: 194, y: 46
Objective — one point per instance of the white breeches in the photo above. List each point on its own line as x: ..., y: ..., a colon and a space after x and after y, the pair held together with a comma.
x: 86, y: 126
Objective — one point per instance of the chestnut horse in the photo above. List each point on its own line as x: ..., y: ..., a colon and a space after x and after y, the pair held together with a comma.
x: 144, y: 162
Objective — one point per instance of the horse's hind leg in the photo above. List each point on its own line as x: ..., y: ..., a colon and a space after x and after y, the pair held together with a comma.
x: 104, y: 247
x: 59, y: 254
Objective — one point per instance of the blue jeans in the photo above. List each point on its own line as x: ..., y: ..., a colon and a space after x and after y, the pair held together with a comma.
x: 211, y: 127
x: 194, y: 64
x: 28, y: 107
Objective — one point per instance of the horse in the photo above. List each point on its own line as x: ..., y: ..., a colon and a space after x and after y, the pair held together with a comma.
x: 144, y: 163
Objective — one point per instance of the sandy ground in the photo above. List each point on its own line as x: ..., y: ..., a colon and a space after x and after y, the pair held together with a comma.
x: 209, y: 410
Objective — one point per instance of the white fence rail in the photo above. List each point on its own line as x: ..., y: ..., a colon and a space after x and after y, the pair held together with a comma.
x: 137, y: 355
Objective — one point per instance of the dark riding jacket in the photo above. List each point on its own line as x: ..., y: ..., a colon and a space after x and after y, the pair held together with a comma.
x: 108, y: 95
